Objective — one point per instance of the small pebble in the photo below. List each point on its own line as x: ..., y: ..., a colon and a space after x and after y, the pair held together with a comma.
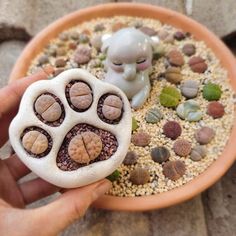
x: 82, y: 55
x: 197, y: 64
x: 134, y: 124
x: 162, y: 34
x: 99, y: 27
x: 215, y: 109
x: 147, y: 30
x: 175, y: 58
x: 170, y: 97
x: 178, y: 35
x: 141, y: 139
x: 139, y: 176
x: 189, y: 110
x: 60, y: 62
x: 172, y: 129
x: 153, y: 115
x: 198, y: 152
x: 130, y: 158
x: 174, y: 170
x: 182, y: 147
x: 61, y: 51
x: 173, y: 75
x: 211, y: 92
x: 160, y: 154
x: 204, y: 135
x: 189, y: 49
x: 189, y: 88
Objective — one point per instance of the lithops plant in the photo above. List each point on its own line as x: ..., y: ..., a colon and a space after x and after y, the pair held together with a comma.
x: 197, y: 64
x: 211, y: 92
x: 173, y: 75
x: 80, y: 149
x: 134, y: 124
x: 170, y: 96
x: 189, y: 88
x: 160, y: 154
x: 139, y: 176
x: 204, y: 135
x: 153, y: 115
x: 189, y: 110
x: 215, y: 109
x: 130, y: 158
x: 172, y: 129
x: 174, y: 169
x: 182, y: 147
x: 198, y: 152
x: 141, y: 139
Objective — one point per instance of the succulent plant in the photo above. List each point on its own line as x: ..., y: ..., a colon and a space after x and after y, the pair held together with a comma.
x: 134, y: 124
x: 174, y: 170
x: 114, y: 176
x: 172, y: 129
x: 160, y: 154
x: 130, y: 158
x: 198, y: 152
x: 189, y: 110
x: 182, y: 147
x: 141, y: 139
x: 211, y: 92
x: 139, y: 176
x: 170, y: 96
x: 153, y: 115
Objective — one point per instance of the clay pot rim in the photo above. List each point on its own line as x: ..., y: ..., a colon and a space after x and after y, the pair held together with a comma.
x: 217, y: 168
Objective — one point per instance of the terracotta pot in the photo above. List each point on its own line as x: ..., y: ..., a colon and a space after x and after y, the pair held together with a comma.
x: 219, y: 167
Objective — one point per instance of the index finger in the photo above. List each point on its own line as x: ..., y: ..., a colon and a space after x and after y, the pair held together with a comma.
x: 10, y: 98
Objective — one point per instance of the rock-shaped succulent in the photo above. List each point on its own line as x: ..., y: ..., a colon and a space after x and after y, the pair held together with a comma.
x: 189, y: 49
x: 160, y: 154
x: 139, y: 176
x: 153, y: 115
x: 198, y: 152
x: 175, y: 58
x: 215, y: 109
x: 211, y: 92
x: 130, y: 158
x: 170, y: 96
x: 197, y: 64
x: 174, y: 170
x: 141, y: 139
x: 204, y: 135
x: 189, y: 88
x: 173, y: 75
x: 182, y: 147
x: 172, y: 129
x: 189, y: 110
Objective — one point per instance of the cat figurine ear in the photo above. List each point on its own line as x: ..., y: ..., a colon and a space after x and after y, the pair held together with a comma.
x: 106, y: 41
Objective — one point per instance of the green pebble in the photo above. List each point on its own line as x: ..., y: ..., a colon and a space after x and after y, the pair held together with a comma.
x: 153, y: 116
x: 170, y: 97
x: 134, y: 124
x: 211, y: 92
x: 189, y: 110
x: 114, y: 176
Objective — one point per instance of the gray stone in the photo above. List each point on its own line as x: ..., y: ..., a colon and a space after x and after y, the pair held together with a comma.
x: 9, y: 52
x: 32, y: 16
x: 217, y: 15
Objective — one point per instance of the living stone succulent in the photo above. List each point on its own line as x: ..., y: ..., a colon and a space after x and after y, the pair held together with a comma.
x: 189, y: 110
x: 160, y: 154
x: 211, y: 92
x: 85, y: 147
x: 139, y: 176
x: 112, y: 107
x: 215, y: 109
x: 182, y: 147
x: 189, y: 88
x: 170, y: 96
x: 204, y: 135
x: 47, y: 106
x: 134, y: 124
x: 141, y: 139
x: 81, y: 95
x: 35, y: 142
x: 174, y: 169
x: 173, y: 75
x: 175, y: 58
x: 130, y: 158
x: 153, y: 115
x: 198, y: 152
x: 197, y: 64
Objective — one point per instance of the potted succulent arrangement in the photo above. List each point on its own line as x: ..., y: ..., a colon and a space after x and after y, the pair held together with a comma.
x: 179, y: 79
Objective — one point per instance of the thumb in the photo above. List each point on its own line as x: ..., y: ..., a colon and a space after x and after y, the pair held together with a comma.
x: 70, y: 206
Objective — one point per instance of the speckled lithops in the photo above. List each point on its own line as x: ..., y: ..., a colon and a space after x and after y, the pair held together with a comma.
x: 81, y: 148
x: 189, y: 110
x: 173, y: 75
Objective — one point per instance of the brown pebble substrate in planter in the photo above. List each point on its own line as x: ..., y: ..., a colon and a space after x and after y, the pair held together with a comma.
x: 54, y: 123
x: 109, y: 141
x: 50, y: 142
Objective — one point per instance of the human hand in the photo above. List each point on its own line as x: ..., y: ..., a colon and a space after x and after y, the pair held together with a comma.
x: 45, y: 220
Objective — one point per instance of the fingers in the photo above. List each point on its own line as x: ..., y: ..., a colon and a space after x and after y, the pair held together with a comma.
x: 16, y: 167
x: 71, y: 205
x: 36, y: 189
x: 10, y: 98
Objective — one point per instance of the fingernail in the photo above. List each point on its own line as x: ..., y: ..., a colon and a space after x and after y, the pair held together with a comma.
x: 101, y: 189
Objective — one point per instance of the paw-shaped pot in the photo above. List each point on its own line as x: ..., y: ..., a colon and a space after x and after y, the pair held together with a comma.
x: 72, y: 130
